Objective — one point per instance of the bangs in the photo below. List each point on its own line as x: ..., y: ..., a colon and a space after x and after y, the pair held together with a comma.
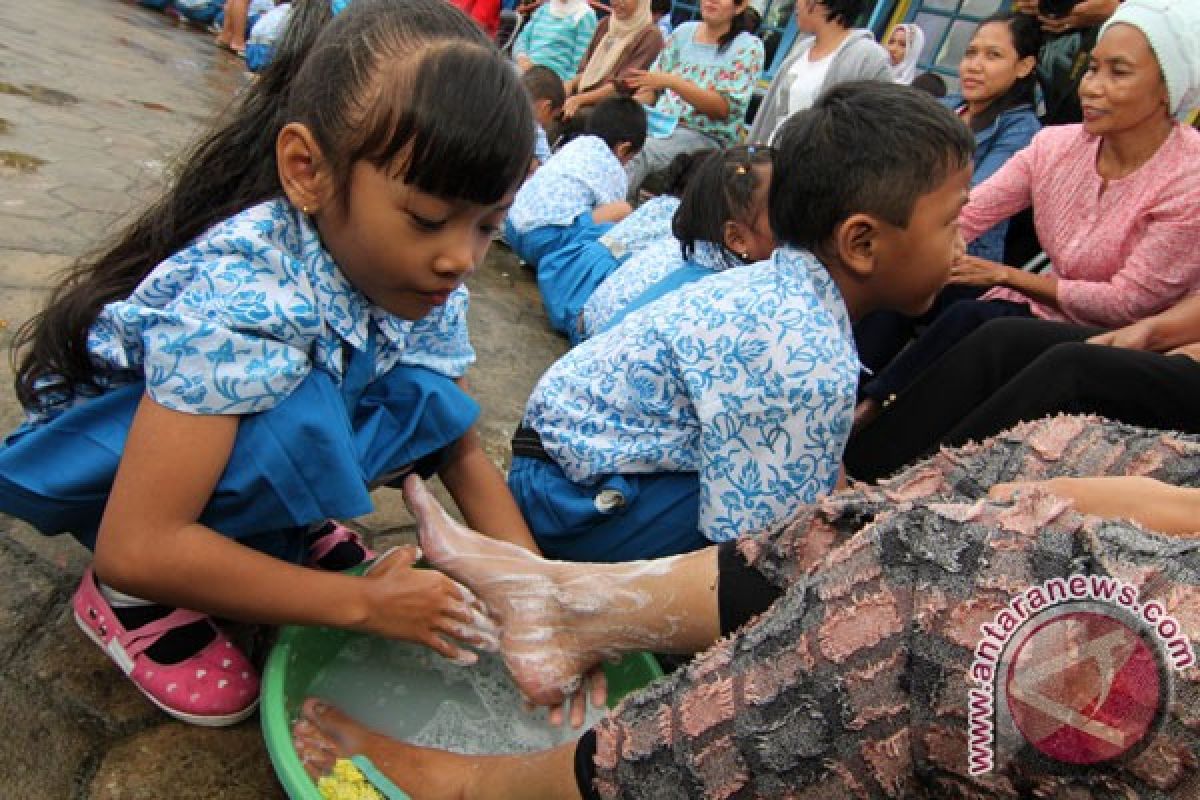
x: 459, y: 121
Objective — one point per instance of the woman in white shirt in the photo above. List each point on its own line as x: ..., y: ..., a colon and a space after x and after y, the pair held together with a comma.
x: 835, y: 53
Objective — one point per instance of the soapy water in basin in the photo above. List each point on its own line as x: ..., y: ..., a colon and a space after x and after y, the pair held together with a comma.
x: 411, y: 693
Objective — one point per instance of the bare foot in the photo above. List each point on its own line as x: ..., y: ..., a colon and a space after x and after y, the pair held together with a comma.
x: 537, y: 602
x: 323, y: 734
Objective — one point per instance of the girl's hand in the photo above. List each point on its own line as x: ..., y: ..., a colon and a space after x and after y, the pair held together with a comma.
x: 524, y: 62
x: 975, y: 271
x: 426, y: 607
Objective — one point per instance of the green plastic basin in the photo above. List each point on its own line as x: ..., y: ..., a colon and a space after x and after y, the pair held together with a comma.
x: 298, y: 658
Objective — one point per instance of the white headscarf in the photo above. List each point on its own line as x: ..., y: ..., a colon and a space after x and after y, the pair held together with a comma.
x: 914, y: 43
x: 574, y: 9
x: 1173, y: 31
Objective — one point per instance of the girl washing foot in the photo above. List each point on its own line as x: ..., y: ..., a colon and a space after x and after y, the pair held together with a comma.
x: 281, y: 331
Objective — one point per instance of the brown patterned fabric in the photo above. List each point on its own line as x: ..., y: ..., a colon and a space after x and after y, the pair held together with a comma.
x: 855, y: 682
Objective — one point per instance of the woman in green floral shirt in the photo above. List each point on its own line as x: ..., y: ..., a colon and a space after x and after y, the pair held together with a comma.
x: 701, y: 84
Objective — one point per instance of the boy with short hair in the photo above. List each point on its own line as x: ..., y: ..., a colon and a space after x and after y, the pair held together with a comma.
x: 547, y: 94
x: 717, y: 410
x: 579, y: 191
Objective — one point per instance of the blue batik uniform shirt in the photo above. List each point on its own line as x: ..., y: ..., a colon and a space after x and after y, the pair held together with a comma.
x: 583, y: 174
x: 648, y: 224
x: 639, y: 273
x: 235, y: 321
x: 747, y: 378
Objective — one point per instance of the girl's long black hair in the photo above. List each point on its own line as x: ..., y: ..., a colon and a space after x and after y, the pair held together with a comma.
x: 415, y: 79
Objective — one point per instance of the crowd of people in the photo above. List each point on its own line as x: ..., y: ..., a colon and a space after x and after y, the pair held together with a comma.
x: 810, y: 428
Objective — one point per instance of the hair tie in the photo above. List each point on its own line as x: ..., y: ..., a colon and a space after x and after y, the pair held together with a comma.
x: 339, y: 6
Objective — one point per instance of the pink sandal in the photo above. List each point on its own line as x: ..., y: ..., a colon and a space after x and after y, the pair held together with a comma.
x: 332, y: 535
x: 217, y: 686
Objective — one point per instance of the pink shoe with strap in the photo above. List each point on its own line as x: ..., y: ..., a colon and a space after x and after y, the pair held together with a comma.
x: 218, y: 686
x: 352, y: 550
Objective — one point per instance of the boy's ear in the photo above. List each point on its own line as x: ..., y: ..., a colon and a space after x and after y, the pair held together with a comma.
x: 625, y: 151
x: 302, y: 170
x: 855, y: 241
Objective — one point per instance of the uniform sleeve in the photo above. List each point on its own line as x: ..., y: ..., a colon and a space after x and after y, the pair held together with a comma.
x: 773, y: 394
x: 234, y: 338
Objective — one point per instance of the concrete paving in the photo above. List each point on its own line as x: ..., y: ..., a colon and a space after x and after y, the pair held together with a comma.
x: 97, y: 97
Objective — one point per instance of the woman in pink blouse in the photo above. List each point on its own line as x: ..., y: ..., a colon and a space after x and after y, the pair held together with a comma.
x: 1116, y: 200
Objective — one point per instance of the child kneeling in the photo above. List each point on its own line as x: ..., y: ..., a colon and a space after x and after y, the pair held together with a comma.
x: 719, y: 409
x: 579, y: 192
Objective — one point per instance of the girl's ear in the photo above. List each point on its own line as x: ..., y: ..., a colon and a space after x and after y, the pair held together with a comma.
x: 855, y: 242
x: 302, y: 170
x: 736, y: 240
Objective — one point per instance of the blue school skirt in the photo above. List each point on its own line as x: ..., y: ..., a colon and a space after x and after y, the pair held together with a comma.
x: 202, y: 12
x: 568, y: 276
x: 618, y: 518
x: 688, y: 273
x: 537, y: 243
x: 312, y: 457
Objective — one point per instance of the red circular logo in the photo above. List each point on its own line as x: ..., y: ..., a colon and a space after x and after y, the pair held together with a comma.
x: 1084, y: 687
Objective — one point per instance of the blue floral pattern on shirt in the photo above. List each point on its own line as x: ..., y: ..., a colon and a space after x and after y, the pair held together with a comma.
x: 649, y: 223
x: 233, y: 323
x: 583, y: 174
x: 747, y: 378
x: 635, y: 276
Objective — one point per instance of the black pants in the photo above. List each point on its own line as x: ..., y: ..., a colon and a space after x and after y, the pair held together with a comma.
x: 953, y: 325
x: 1014, y: 370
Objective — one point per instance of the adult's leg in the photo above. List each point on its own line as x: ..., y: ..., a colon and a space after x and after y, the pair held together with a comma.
x: 854, y: 681
x: 1132, y: 386
x: 917, y: 421
x: 956, y: 323
x: 657, y: 153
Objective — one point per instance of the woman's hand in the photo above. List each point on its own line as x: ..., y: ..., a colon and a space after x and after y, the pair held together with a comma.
x: 572, y: 105
x: 975, y: 271
x: 1138, y: 336
x: 653, y: 80
x: 1192, y: 351
x: 426, y: 607
x: 1153, y: 504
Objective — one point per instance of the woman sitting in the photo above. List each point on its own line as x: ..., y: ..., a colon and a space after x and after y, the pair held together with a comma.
x: 996, y: 103
x: 835, y: 53
x: 904, y: 46
x: 701, y: 85
x: 1116, y: 200
x: 625, y: 40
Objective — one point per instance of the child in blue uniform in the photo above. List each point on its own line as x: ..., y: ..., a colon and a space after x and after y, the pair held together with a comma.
x: 721, y: 222
x: 273, y: 337
x: 568, y: 276
x: 579, y: 192
x: 717, y: 410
